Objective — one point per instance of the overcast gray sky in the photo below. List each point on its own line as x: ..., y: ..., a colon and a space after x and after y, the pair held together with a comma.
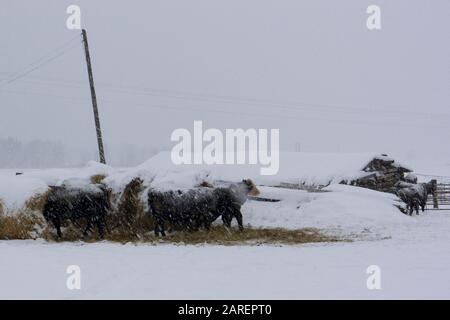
x: 310, y: 68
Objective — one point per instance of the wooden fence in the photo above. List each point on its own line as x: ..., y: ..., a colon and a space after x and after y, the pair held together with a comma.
x: 440, y: 200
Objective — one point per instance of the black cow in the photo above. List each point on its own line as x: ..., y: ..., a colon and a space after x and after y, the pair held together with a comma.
x: 231, y: 199
x: 410, y: 197
x: 426, y: 189
x: 166, y: 206
x: 72, y: 203
x: 199, y: 207
x: 414, y: 195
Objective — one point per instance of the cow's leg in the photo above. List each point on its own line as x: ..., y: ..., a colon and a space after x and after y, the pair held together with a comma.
x: 57, y: 223
x: 207, y: 224
x: 226, y: 218
x: 195, y: 223
x: 105, y: 224
x: 155, y: 221
x: 156, y: 227
x: 183, y: 221
x: 88, y: 227
x: 159, y: 227
x: 238, y: 216
x: 410, y: 209
x: 100, y: 225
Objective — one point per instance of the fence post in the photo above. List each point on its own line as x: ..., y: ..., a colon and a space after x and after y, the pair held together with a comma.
x: 435, y: 197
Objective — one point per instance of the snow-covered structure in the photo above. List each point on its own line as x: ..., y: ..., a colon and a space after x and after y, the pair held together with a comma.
x: 299, y: 170
x: 381, y: 174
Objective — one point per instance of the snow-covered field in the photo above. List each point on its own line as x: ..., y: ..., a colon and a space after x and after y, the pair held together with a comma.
x: 413, y: 253
x: 414, y: 263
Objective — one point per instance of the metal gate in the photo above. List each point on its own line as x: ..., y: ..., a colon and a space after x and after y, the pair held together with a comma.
x: 440, y: 200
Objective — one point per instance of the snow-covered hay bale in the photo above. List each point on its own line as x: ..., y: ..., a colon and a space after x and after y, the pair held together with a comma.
x: 128, y: 220
x: 22, y: 219
x: 21, y: 225
x: 297, y: 170
x: 15, y: 191
x: 97, y: 178
x: 37, y: 202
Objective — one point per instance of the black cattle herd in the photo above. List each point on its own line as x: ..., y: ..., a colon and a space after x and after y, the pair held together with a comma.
x: 188, y: 210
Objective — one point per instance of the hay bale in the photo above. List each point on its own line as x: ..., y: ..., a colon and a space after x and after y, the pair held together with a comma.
x: 97, y: 179
x: 129, y: 220
x: 37, y: 202
x: 25, y: 223
x: 22, y: 225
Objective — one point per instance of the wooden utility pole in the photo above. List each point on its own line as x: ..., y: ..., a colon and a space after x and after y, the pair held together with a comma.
x: 101, y: 151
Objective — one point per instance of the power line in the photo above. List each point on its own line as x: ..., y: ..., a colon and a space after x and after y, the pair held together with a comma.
x: 57, y: 48
x: 24, y: 74
x: 40, y: 62
x: 221, y: 111
x: 237, y: 101
x: 184, y: 96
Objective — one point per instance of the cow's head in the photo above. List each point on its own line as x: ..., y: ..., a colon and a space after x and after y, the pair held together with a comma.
x: 252, y: 190
x: 431, y: 186
x: 206, y: 184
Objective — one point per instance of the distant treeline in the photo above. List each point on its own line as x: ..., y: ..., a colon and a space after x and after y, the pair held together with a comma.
x: 33, y: 154
x: 15, y: 154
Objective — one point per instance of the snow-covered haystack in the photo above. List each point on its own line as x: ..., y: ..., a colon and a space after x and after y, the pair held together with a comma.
x: 129, y: 218
x: 16, y: 190
x: 23, y: 198
x: 296, y: 170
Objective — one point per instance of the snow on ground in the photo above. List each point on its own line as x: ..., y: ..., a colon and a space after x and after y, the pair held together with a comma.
x: 412, y: 252
x: 414, y: 264
x: 347, y: 208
